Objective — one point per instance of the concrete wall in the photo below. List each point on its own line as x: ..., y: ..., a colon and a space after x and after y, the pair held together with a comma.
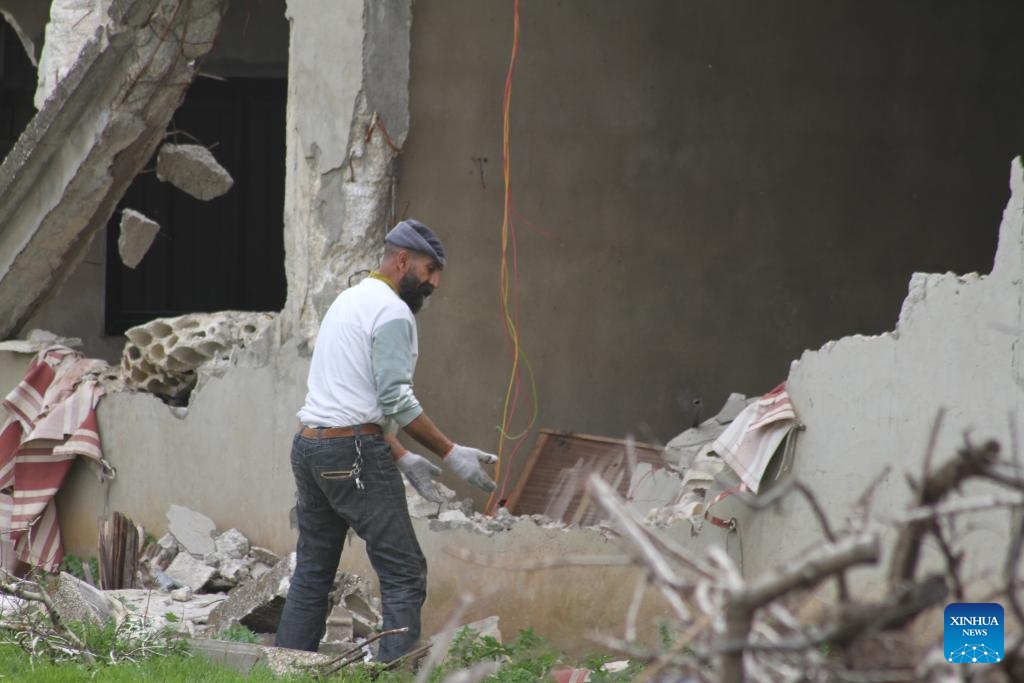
x: 872, y: 402
x: 727, y: 184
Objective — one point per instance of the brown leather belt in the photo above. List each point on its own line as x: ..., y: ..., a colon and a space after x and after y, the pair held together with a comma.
x: 336, y: 432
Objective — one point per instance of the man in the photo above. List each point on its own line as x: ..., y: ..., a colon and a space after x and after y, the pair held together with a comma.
x: 345, y: 459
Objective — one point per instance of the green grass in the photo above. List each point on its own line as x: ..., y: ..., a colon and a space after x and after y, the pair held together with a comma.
x: 527, y: 659
x: 15, y: 665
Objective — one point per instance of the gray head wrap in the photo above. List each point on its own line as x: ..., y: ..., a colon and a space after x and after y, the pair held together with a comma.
x: 413, y: 235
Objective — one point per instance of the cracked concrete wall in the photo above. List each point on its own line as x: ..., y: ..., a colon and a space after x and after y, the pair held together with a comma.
x: 349, y: 69
x: 871, y: 402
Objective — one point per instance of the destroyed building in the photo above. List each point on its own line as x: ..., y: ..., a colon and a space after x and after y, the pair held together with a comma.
x: 702, y: 194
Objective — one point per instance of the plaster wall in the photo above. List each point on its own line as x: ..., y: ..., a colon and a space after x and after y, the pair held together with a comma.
x: 872, y: 402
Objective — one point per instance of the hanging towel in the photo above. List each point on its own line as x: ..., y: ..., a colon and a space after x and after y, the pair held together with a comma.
x: 51, y: 419
x: 748, y: 444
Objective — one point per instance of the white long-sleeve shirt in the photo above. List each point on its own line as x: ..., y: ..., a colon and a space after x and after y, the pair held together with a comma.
x: 363, y: 361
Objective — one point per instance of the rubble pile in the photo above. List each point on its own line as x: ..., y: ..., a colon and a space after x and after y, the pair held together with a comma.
x: 162, y: 356
x: 453, y: 514
x: 191, y: 555
x: 211, y: 581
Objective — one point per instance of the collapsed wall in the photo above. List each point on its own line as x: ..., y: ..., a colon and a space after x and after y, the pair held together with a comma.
x: 71, y: 166
x: 871, y: 403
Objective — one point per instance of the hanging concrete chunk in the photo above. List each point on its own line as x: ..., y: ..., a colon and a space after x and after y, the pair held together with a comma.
x: 136, y: 237
x: 192, y: 169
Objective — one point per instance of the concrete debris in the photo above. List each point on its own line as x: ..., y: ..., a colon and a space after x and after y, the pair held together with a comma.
x: 243, y: 657
x: 62, y: 181
x: 264, y: 556
x: 38, y: 340
x: 257, y: 604
x: 421, y: 508
x: 75, y: 600
x: 162, y: 356
x: 193, y: 530
x: 193, y: 169
x: 72, y: 24
x: 232, y: 545
x: 190, y: 572
x: 356, y: 613
x: 136, y: 237
x: 182, y: 594
x: 188, y: 616
x: 691, y: 453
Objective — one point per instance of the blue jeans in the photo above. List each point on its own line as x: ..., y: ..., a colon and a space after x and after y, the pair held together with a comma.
x: 329, y: 504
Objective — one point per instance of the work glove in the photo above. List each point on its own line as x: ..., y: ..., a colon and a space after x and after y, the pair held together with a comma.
x: 421, y: 472
x: 465, y: 463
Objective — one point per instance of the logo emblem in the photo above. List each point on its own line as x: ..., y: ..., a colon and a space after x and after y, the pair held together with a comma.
x: 973, y: 633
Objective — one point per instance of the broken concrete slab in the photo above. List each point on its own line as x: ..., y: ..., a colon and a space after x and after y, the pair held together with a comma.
x: 194, y: 170
x: 65, y: 175
x: 136, y: 237
x: 193, y: 530
x: 257, y: 604
x: 263, y: 555
x: 232, y: 545
x: 188, y: 571
x: 154, y: 606
x: 76, y: 601
x: 354, y: 595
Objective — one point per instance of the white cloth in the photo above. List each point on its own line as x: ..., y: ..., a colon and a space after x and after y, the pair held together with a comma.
x: 749, y: 443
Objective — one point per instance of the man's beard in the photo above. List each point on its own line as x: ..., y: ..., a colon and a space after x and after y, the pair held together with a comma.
x: 413, y: 292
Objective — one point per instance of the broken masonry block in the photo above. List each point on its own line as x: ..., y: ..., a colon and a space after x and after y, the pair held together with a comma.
x: 190, y: 572
x: 257, y: 603
x: 76, y: 601
x: 136, y: 237
x: 232, y: 545
x: 162, y: 356
x: 193, y: 530
x: 193, y: 169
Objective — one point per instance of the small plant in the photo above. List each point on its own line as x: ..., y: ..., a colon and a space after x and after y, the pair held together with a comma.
x: 237, y: 633
x: 75, y: 565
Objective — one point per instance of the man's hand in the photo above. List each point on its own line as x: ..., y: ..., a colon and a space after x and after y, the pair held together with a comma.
x: 421, y: 472
x: 465, y: 463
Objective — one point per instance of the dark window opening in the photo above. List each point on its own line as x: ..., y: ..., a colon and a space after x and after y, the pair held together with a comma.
x: 17, y: 88
x: 222, y: 254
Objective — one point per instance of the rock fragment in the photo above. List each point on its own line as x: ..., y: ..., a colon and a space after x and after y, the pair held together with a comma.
x: 232, y: 545
x: 194, y: 531
x: 75, y: 600
x: 136, y: 237
x: 190, y: 572
x: 257, y: 604
x: 193, y: 169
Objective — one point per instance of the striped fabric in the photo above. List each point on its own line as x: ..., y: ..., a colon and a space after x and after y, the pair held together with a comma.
x: 747, y: 445
x: 50, y: 420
